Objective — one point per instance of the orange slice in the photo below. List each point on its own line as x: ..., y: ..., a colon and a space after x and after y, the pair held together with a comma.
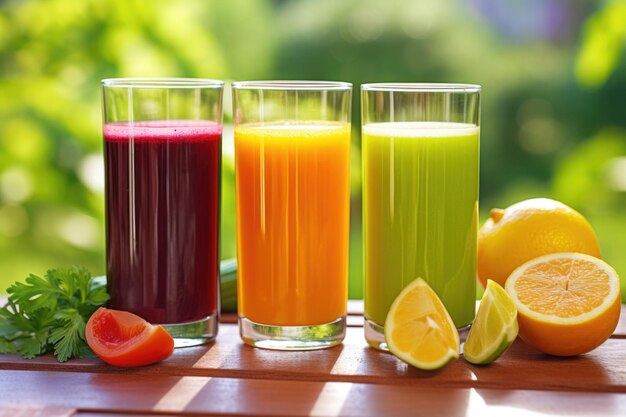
x: 567, y: 303
x: 419, y: 330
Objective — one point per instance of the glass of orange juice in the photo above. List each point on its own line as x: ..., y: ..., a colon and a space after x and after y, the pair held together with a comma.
x: 292, y: 169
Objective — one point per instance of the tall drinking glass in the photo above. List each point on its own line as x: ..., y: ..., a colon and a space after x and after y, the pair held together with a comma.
x: 420, y: 196
x: 162, y: 140
x: 292, y: 168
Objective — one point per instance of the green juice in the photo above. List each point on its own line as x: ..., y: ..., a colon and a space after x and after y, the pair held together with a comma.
x: 420, y: 196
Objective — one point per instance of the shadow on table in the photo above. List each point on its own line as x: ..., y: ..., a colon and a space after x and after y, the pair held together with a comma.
x: 282, y: 397
x: 393, y: 400
x: 523, y: 367
x: 228, y: 356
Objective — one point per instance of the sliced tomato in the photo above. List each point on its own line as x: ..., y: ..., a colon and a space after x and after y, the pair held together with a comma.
x: 124, y: 339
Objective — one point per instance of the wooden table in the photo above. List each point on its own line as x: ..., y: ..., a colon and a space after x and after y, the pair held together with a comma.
x: 229, y: 378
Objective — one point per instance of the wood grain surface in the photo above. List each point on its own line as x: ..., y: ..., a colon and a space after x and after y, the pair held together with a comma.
x: 227, y: 377
x: 26, y: 410
x: 255, y: 397
x: 603, y: 370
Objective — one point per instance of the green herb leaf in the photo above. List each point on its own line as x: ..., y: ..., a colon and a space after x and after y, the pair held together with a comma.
x: 68, y: 337
x: 7, y: 347
x: 7, y: 329
x: 35, y: 293
x: 33, y: 345
x: 97, y: 297
x: 86, y: 352
x: 49, y: 314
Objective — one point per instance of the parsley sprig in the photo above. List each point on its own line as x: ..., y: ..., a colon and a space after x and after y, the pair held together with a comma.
x: 49, y: 314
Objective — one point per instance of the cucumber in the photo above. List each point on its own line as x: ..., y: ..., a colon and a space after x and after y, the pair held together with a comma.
x: 228, y: 282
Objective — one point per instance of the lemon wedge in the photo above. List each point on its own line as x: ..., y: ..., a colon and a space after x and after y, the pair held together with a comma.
x: 419, y: 330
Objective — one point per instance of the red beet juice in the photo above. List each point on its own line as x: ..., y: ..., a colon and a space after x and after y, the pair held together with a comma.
x: 162, y: 218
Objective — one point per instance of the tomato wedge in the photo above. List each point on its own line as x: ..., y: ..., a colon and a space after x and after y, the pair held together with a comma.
x: 123, y: 339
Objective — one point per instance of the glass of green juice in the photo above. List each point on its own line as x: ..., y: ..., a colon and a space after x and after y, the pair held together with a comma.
x: 420, y: 146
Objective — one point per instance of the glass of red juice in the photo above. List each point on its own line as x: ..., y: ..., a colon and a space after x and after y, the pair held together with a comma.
x: 162, y: 153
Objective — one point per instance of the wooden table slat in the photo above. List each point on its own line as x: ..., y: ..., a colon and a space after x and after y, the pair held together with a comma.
x: 227, y: 377
x: 520, y: 368
x: 170, y: 394
x: 115, y: 413
x: 24, y: 410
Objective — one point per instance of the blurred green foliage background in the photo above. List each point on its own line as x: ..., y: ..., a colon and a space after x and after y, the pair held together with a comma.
x: 553, y: 116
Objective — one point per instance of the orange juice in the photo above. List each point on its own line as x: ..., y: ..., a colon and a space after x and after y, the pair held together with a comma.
x: 293, y: 198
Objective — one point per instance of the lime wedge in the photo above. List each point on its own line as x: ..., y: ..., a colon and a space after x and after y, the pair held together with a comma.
x: 494, y: 328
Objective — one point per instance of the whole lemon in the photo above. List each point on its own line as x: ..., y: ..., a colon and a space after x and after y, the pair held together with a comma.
x: 529, y: 229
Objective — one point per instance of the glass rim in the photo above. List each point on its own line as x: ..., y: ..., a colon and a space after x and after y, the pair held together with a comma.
x: 422, y: 87
x: 292, y: 85
x: 172, y: 82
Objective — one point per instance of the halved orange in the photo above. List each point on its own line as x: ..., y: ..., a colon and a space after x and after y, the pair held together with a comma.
x: 567, y: 303
x: 419, y: 330
x: 529, y: 229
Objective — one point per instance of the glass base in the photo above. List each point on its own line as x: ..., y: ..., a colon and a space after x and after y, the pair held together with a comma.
x: 375, y: 335
x: 292, y: 337
x: 193, y: 333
